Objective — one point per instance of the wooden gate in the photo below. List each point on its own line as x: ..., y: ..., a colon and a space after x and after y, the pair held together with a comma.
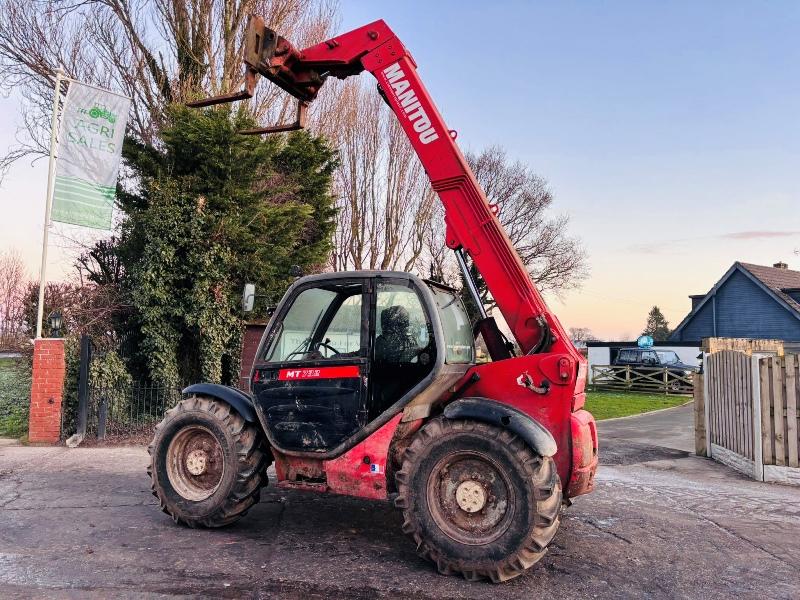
x: 728, y: 381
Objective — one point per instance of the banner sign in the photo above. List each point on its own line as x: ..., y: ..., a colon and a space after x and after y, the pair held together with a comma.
x: 89, y: 150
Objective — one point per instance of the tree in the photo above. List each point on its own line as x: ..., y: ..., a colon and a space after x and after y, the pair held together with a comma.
x: 210, y: 211
x: 390, y: 218
x: 384, y: 197
x: 13, y: 284
x: 204, y: 209
x: 158, y: 52
x: 581, y: 335
x: 657, y: 326
x: 555, y: 260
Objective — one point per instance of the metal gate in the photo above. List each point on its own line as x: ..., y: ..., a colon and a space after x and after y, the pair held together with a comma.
x: 126, y: 409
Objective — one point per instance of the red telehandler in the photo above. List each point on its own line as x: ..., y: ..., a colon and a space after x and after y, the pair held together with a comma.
x: 365, y: 383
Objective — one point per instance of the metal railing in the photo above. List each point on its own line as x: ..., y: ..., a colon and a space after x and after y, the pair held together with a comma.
x: 127, y: 410
x: 658, y: 380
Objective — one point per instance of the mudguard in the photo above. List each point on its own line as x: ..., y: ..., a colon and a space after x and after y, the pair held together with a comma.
x: 241, y: 402
x: 490, y: 411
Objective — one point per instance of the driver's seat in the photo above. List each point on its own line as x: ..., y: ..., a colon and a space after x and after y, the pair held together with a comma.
x: 396, y: 368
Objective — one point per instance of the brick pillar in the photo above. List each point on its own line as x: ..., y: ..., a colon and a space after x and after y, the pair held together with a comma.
x: 46, y: 389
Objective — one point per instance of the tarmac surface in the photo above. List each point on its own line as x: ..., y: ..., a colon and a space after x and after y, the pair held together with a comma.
x: 661, y: 523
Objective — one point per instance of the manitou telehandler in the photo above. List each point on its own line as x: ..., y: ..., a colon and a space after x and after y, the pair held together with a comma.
x: 366, y: 383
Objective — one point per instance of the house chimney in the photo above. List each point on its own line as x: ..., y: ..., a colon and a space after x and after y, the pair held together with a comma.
x: 696, y: 299
x: 781, y: 265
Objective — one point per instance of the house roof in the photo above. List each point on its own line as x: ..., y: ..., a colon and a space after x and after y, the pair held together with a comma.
x: 771, y: 279
x: 777, y: 280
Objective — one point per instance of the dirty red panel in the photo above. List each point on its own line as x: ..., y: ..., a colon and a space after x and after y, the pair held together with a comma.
x: 584, y: 454
x: 361, y: 471
x: 319, y: 373
x: 292, y: 467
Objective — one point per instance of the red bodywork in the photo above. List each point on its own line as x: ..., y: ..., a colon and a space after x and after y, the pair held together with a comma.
x: 472, y: 226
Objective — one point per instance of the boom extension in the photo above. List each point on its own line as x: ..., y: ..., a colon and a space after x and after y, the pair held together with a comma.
x: 471, y: 223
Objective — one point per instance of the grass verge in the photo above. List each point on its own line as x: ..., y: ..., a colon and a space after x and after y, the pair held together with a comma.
x: 609, y: 405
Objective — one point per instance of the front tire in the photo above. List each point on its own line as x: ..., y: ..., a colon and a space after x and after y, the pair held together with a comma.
x: 477, y: 500
x: 207, y: 464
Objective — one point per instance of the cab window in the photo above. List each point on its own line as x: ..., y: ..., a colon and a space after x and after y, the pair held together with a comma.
x: 459, y: 346
x: 322, y: 323
x: 404, y: 347
x: 402, y: 329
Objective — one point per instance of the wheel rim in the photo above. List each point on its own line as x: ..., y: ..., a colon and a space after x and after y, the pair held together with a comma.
x: 195, y: 464
x: 470, y: 498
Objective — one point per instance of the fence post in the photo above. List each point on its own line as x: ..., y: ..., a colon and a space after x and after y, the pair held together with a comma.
x: 628, y: 376
x: 755, y: 398
x: 700, y: 431
x: 83, y: 385
x: 706, y: 403
x: 102, y: 418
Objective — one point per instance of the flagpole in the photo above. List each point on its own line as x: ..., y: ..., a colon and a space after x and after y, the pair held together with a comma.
x: 49, y: 202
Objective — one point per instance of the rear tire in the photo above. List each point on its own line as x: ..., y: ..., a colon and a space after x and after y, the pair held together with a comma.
x: 207, y: 464
x: 477, y: 500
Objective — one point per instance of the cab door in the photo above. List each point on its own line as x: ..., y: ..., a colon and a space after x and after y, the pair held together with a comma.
x: 313, y: 381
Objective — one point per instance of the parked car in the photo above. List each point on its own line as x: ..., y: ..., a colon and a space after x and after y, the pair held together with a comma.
x: 647, y: 359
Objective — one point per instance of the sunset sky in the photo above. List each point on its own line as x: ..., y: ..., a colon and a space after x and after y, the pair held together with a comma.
x: 669, y: 132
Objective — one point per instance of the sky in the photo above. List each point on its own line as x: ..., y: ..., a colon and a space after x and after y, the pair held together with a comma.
x: 668, y: 132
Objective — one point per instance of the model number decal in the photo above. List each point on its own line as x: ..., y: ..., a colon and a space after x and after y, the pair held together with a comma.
x: 318, y: 373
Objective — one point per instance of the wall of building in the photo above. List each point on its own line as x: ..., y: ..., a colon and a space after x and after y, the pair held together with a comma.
x: 743, y: 310
x: 250, y: 341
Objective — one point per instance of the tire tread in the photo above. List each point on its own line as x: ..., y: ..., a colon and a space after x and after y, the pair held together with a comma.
x: 547, y: 493
x: 253, y: 459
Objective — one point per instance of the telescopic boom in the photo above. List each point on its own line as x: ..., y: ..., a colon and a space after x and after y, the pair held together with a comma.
x: 471, y: 222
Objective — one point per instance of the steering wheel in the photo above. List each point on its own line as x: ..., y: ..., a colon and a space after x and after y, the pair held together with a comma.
x: 327, y: 346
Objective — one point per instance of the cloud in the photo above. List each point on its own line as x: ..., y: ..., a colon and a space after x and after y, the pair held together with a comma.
x: 757, y: 235
x: 659, y: 247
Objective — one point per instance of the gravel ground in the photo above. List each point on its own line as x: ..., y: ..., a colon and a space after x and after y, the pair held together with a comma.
x: 661, y: 524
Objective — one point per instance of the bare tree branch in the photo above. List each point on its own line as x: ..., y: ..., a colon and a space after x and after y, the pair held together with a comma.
x: 155, y: 51
x: 555, y: 260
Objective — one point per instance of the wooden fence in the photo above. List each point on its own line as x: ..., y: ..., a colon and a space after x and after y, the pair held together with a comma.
x: 658, y: 380
x: 751, y: 406
x: 780, y: 396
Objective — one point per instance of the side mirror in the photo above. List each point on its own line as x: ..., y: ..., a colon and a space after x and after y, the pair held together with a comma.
x: 248, y: 297
x: 296, y: 271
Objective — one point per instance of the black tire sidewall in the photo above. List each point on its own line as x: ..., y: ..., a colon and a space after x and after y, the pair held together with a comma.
x: 177, y: 504
x: 522, y: 522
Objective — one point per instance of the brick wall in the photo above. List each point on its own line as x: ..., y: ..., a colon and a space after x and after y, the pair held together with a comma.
x: 46, y: 389
x: 252, y: 336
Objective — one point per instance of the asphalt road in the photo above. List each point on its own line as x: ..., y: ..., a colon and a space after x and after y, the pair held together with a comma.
x: 661, y: 524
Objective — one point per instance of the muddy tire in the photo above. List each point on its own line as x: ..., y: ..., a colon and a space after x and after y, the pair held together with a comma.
x: 477, y: 500
x: 207, y: 464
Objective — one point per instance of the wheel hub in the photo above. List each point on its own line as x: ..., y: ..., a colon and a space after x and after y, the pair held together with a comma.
x: 471, y: 496
x: 196, y: 462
